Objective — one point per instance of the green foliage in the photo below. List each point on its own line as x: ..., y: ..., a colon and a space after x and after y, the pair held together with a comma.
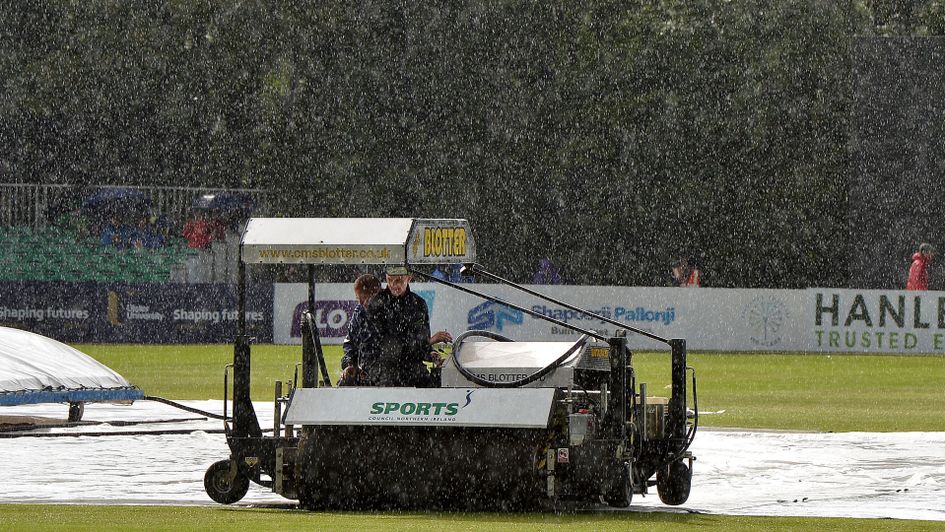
x: 608, y: 136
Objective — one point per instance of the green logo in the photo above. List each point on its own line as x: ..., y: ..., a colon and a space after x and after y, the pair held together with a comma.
x: 415, y: 409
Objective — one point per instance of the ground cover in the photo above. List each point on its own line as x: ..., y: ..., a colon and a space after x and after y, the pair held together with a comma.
x: 815, y: 392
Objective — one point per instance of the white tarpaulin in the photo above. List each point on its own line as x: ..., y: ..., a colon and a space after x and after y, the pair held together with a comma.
x: 34, y: 368
x: 847, y: 474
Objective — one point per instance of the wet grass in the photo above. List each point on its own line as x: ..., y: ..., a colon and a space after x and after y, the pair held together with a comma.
x: 815, y: 392
x: 196, y: 371
x: 68, y: 517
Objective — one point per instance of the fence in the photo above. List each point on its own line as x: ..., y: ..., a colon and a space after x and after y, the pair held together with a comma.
x: 37, y: 206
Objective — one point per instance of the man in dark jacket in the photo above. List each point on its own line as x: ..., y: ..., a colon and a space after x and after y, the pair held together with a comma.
x: 402, y: 323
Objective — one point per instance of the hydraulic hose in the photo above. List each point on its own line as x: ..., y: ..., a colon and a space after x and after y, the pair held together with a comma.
x: 26, y: 433
x: 691, y: 436
x: 7, y: 435
x: 457, y: 349
x: 184, y: 407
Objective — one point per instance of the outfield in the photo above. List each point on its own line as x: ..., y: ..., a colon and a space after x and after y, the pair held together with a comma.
x: 770, y: 391
x: 816, y: 392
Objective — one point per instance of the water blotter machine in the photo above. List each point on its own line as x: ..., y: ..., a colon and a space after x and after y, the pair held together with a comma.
x: 515, y: 424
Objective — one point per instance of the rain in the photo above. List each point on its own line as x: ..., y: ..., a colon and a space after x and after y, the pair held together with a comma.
x: 749, y: 136
x: 762, y: 145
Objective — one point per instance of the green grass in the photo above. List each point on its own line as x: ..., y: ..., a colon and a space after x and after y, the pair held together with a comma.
x: 196, y: 371
x: 814, y: 392
x: 64, y: 517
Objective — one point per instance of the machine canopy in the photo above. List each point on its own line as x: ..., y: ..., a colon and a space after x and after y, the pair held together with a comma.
x: 357, y: 241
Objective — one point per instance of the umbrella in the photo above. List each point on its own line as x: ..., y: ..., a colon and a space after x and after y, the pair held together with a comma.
x: 111, y: 200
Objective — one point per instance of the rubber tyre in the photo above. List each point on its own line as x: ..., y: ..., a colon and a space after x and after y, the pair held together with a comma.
x: 673, y: 483
x: 307, y: 501
x: 620, y: 492
x: 220, y: 488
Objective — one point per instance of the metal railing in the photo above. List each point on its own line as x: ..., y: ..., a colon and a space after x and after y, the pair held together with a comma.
x: 37, y: 205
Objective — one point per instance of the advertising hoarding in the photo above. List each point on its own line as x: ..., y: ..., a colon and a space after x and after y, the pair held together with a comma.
x: 814, y: 319
x: 146, y: 313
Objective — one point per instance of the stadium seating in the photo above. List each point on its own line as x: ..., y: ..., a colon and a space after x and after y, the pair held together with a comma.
x: 56, y: 254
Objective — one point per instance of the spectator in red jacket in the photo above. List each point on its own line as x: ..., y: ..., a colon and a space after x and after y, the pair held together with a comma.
x: 919, y: 271
x: 199, y: 232
x: 686, y: 273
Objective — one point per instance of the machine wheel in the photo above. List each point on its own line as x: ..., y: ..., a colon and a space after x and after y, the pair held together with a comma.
x: 220, y: 487
x: 620, y: 493
x: 76, y: 410
x: 673, y: 483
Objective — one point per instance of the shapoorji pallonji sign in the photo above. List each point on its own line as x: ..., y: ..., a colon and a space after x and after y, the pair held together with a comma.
x: 357, y: 241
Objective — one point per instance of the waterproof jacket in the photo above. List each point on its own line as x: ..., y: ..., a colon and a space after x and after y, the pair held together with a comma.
x: 918, y: 273
x: 400, y: 340
x: 360, y: 333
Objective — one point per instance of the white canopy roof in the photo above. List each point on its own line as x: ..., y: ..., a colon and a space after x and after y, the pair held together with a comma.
x: 535, y: 355
x: 357, y: 241
x: 34, y: 368
x: 512, y: 361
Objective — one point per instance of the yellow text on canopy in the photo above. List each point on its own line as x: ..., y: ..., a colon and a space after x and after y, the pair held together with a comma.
x: 444, y: 241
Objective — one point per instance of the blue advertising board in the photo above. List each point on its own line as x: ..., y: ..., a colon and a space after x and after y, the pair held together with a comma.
x: 145, y: 313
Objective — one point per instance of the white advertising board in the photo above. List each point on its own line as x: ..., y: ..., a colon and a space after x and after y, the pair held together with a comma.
x: 476, y: 407
x: 875, y: 321
x: 814, y: 319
